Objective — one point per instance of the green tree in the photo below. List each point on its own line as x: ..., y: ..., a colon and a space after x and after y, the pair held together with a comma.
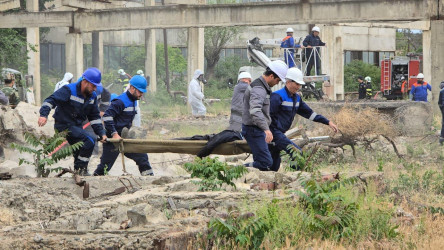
x: 13, y: 53
x: 359, y: 68
x: 177, y: 62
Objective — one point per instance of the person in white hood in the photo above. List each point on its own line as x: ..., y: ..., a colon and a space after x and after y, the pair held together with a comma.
x: 66, y: 80
x: 195, y: 95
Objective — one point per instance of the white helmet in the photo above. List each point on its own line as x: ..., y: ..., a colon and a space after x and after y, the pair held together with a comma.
x: 420, y: 76
x: 121, y: 72
x: 316, y: 28
x: 368, y: 79
x: 280, y: 68
x: 140, y: 72
x: 290, y: 30
x: 296, y: 75
x: 244, y: 75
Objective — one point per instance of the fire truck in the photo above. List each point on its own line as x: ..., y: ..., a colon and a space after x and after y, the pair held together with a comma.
x: 392, y: 72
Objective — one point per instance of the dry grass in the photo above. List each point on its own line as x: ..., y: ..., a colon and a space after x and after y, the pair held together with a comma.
x: 6, y: 217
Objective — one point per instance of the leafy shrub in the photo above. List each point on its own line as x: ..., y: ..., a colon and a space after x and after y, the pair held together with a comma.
x: 214, y: 173
x: 41, y: 147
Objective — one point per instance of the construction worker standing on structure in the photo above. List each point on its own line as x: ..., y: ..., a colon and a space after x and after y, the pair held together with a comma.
x: 118, y: 116
x: 419, y: 89
x: 312, y: 54
x: 288, y: 45
x: 75, y: 103
x: 256, y: 117
x: 10, y: 91
x: 284, y: 105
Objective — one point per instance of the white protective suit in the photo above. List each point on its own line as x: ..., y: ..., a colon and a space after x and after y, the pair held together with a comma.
x: 68, y: 76
x: 195, y: 95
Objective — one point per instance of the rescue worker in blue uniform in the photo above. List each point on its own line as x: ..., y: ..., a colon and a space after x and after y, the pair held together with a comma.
x: 284, y: 105
x: 288, y: 44
x: 419, y: 89
x: 120, y: 115
x: 256, y: 114
x: 312, y: 54
x: 75, y: 103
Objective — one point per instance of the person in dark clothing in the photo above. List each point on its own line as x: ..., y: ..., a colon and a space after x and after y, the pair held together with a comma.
x: 284, y: 105
x: 441, y: 107
x: 75, y: 103
x: 362, y: 87
x: 312, y: 54
x: 119, y: 115
x: 233, y: 132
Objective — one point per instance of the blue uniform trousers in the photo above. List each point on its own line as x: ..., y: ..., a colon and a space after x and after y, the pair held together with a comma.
x: 110, y: 154
x: 76, y: 134
x: 289, y: 58
x: 281, y: 142
x: 259, y: 148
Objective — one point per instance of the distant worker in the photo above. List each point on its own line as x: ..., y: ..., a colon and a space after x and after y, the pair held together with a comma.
x: 140, y: 73
x: 284, y: 105
x: 404, y: 88
x: 368, y: 87
x: 195, y: 95
x: 120, y: 115
x: 123, y: 78
x: 419, y: 89
x: 3, y: 99
x: 233, y: 132
x: 362, y: 87
x: 10, y: 90
x: 312, y: 55
x: 75, y: 103
x: 256, y: 117
x: 288, y: 45
x: 441, y: 107
x: 67, y: 78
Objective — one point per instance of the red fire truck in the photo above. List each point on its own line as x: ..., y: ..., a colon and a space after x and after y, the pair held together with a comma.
x: 392, y: 71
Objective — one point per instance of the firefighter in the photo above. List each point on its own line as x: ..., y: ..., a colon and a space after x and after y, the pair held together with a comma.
x: 362, y: 87
x: 368, y: 87
x: 284, y: 105
x: 75, y: 103
x: 256, y: 117
x: 10, y: 90
x: 441, y: 107
x: 419, y: 89
x: 120, y: 115
x: 404, y: 88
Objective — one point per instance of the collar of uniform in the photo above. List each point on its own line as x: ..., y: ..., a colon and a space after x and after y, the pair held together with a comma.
x: 267, y: 87
x: 131, y: 97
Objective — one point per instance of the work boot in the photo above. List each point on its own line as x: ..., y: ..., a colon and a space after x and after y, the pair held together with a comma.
x: 147, y: 173
x: 83, y: 172
x: 441, y: 140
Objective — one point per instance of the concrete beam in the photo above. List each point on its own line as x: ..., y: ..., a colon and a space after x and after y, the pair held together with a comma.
x: 416, y: 25
x: 36, y: 19
x: 87, y: 4
x: 9, y: 4
x: 252, y: 14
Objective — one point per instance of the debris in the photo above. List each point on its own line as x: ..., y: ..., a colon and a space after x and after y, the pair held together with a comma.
x: 126, y: 224
x: 38, y: 238
x: 171, y: 202
x: 5, y: 176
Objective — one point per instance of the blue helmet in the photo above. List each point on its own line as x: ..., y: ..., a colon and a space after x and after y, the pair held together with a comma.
x: 93, y: 76
x: 114, y: 96
x: 139, y: 82
x: 99, y: 90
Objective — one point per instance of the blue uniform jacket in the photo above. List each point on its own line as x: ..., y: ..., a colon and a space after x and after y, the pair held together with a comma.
x: 284, y: 107
x: 120, y: 114
x: 288, y: 42
x: 419, y: 91
x: 73, y: 108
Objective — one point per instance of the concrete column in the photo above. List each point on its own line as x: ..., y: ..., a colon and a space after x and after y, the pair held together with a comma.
x: 97, y: 50
x: 195, y: 51
x: 74, y: 54
x: 150, y: 60
x: 333, y: 62
x: 33, y: 38
x: 433, y: 56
